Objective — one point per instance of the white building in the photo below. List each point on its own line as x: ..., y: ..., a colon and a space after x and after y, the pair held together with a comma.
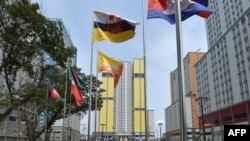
x: 223, y: 74
x: 172, y: 113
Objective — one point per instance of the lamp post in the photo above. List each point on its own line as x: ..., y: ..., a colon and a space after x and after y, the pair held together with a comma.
x: 160, y: 124
x: 201, y: 99
x: 113, y: 136
x: 102, y: 130
x: 197, y: 56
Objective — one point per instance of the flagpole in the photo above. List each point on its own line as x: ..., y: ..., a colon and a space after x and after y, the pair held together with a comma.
x: 145, y: 74
x: 90, y: 92
x: 69, y: 114
x: 96, y: 95
x: 46, y: 112
x: 140, y: 71
x: 107, y: 105
x: 90, y: 84
x: 180, y: 70
x: 65, y: 101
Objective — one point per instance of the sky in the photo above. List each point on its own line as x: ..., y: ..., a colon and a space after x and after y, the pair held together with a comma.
x: 159, y: 36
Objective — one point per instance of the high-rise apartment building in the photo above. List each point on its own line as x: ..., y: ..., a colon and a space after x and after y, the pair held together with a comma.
x: 123, y: 113
x: 223, y: 73
x: 139, y: 98
x: 172, y: 113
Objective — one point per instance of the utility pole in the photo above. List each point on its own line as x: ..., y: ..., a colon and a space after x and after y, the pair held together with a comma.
x: 102, y: 131
x: 201, y: 99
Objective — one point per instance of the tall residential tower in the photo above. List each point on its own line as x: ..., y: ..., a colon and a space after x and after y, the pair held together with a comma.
x: 172, y: 113
x: 123, y: 113
x: 223, y: 74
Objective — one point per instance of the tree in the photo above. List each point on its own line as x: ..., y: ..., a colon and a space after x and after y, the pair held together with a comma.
x: 24, y: 34
x: 57, y: 76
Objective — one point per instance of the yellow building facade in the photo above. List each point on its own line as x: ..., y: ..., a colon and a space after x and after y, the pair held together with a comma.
x: 139, y: 97
x: 123, y: 110
x: 106, y: 120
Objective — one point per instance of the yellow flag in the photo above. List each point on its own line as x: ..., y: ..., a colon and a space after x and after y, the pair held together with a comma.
x: 113, y: 28
x: 110, y: 65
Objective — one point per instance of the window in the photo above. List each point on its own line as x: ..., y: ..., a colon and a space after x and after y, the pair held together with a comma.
x: 139, y: 75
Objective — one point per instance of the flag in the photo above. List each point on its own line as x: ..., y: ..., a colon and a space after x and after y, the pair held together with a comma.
x: 112, y: 27
x: 52, y: 93
x: 77, y: 93
x: 110, y: 65
x: 73, y: 76
x: 75, y: 84
x: 165, y: 9
x: 203, y: 2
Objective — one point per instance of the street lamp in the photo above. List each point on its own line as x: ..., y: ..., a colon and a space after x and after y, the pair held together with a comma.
x: 197, y: 57
x: 113, y: 136
x: 200, y: 99
x: 102, y: 131
x: 160, y: 124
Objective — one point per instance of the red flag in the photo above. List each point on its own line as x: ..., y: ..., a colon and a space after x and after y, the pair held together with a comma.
x: 52, y: 93
x: 72, y: 76
x: 77, y: 94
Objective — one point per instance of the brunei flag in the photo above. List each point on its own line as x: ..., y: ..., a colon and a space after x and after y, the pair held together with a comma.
x: 112, y: 28
x: 110, y: 65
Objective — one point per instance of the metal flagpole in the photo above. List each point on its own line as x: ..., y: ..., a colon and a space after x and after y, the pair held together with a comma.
x: 90, y: 93
x: 140, y: 101
x: 145, y: 74
x: 68, y: 127
x: 180, y: 70
x: 90, y: 85
x: 107, y: 92
x: 46, y: 112
x: 65, y: 101
x: 96, y: 95
x: 19, y: 107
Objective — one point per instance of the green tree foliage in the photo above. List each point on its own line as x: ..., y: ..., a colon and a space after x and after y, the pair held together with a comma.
x: 24, y: 35
x: 40, y: 101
